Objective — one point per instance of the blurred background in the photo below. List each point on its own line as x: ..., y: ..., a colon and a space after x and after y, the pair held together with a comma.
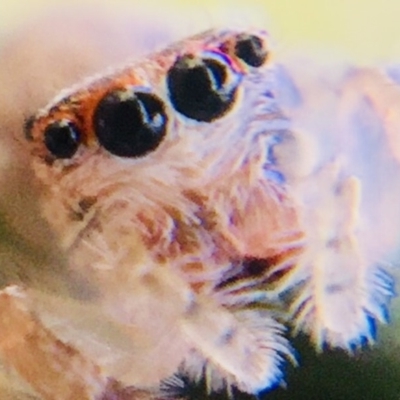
x: 365, y: 30
x: 46, y: 45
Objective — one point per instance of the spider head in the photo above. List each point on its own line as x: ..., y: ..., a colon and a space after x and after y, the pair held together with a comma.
x: 176, y: 143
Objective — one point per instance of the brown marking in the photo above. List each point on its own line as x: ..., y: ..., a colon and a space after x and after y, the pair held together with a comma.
x: 197, y: 286
x: 86, y: 203
x: 27, y: 127
x: 83, y: 208
x: 184, y: 234
x: 48, y: 159
x: 152, y: 232
x: 193, y: 267
x: 207, y: 216
x: 75, y: 215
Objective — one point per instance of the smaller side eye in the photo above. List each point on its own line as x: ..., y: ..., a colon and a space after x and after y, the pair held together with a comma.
x: 62, y: 139
x: 250, y: 49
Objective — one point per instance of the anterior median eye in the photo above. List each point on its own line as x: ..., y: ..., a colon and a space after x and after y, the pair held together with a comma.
x: 62, y: 139
x: 129, y: 123
x: 201, y: 88
x: 251, y: 50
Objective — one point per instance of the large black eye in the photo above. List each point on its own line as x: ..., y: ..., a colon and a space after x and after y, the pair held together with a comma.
x: 200, y: 88
x: 130, y: 124
x: 250, y: 49
x: 62, y: 139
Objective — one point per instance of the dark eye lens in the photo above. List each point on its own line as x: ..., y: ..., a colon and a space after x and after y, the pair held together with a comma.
x: 199, y: 88
x: 129, y: 124
x: 62, y: 139
x: 250, y: 49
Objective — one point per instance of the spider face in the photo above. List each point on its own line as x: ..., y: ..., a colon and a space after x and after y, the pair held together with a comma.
x: 168, y: 133
x: 166, y: 152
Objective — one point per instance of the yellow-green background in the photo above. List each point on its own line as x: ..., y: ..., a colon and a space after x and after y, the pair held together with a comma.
x: 368, y: 30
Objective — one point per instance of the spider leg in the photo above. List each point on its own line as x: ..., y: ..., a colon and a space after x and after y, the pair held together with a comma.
x: 54, y: 369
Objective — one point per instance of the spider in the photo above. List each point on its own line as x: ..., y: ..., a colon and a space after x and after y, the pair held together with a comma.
x: 201, y: 215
